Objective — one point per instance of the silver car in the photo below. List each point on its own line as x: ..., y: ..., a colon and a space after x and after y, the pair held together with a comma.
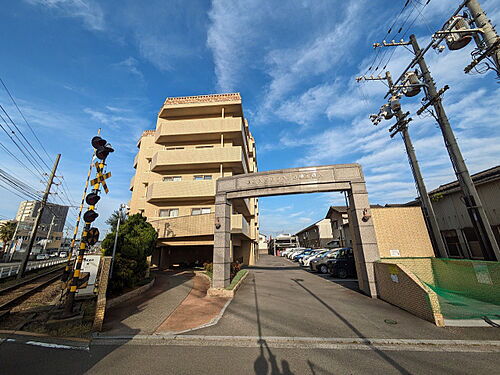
x: 319, y: 264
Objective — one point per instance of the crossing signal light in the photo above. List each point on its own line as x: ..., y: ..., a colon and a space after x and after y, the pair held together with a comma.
x: 92, y: 236
x: 92, y: 199
x: 90, y: 216
x: 102, y: 147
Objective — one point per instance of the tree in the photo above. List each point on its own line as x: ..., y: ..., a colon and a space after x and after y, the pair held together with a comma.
x: 112, y: 221
x: 7, y: 230
x: 136, y: 241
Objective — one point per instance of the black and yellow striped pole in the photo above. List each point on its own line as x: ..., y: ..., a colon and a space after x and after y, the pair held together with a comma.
x: 102, y: 149
x: 68, y: 268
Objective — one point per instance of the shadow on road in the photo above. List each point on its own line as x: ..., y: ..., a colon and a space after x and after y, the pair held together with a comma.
x: 263, y: 364
x: 380, y: 353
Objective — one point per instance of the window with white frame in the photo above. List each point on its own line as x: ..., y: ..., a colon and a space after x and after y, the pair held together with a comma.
x: 200, y: 211
x: 169, y: 212
x: 172, y: 178
x: 203, y: 177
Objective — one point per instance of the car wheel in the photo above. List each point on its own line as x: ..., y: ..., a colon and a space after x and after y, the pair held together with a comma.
x: 323, y: 268
x: 342, y: 273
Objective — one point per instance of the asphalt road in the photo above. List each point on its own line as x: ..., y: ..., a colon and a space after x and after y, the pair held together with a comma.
x: 279, y: 301
x: 155, y: 359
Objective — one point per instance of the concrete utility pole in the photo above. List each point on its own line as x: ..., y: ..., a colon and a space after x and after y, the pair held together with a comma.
x: 471, y: 197
x: 491, y: 38
x: 428, y: 210
x: 401, y: 126
x: 43, y: 203
x: 49, y: 233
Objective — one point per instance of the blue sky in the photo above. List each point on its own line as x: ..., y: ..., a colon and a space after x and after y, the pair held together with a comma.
x: 78, y: 65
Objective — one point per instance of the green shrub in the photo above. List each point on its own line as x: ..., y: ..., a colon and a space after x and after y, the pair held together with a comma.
x: 136, y: 241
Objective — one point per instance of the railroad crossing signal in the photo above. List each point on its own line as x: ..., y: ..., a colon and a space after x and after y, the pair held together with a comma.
x: 92, y: 236
x: 101, y: 178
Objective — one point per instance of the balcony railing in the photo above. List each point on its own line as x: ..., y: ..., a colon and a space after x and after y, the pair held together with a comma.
x: 180, y: 190
x: 198, y: 129
x: 195, y: 158
x: 197, y: 225
x: 185, y: 226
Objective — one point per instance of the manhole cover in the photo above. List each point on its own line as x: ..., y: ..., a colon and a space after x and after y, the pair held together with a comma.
x: 390, y: 321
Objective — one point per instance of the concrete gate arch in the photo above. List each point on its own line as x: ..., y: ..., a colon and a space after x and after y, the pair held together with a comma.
x: 326, y: 178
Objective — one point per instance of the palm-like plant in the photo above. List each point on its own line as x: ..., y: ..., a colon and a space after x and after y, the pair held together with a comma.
x: 6, y: 232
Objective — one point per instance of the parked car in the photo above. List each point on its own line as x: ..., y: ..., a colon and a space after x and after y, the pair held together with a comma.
x: 42, y: 257
x: 306, y: 261
x: 63, y: 254
x: 300, y: 256
x: 294, y: 252
x: 310, y: 254
x: 343, y: 265
x: 319, y: 264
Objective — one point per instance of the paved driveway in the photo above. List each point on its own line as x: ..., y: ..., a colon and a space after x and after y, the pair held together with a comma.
x: 279, y: 298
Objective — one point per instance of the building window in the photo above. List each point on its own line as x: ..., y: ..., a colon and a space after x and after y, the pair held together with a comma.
x: 200, y: 211
x: 172, y: 178
x: 174, y: 148
x: 203, y: 177
x: 170, y: 212
x: 473, y: 243
x: 205, y: 146
x: 452, y: 243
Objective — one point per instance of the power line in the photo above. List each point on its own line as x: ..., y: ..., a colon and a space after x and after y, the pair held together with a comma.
x: 19, y: 147
x: 22, y: 135
x: 24, y: 118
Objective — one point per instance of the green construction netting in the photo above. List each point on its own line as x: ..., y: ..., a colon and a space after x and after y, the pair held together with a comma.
x: 466, y: 289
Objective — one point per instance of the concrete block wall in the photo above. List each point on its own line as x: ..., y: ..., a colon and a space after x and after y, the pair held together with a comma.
x: 403, y: 229
x: 400, y: 287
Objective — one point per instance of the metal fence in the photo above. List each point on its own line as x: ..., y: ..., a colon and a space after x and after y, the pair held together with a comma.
x: 11, y: 270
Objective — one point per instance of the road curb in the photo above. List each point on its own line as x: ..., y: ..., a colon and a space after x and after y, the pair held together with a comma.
x: 354, y: 343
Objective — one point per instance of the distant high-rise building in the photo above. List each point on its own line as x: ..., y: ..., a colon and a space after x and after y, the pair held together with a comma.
x: 51, y: 224
x: 197, y: 140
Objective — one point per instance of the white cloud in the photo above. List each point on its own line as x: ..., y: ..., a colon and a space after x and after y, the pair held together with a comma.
x: 131, y: 65
x: 89, y: 11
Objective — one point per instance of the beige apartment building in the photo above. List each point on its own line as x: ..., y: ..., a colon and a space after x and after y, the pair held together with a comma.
x: 197, y: 140
x: 317, y: 235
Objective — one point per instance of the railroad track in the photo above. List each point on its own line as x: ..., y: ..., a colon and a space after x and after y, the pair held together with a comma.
x: 15, y: 294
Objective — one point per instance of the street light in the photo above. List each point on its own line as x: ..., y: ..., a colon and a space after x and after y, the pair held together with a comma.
x: 122, y: 206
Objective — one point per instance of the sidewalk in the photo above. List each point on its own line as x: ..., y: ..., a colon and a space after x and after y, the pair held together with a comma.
x: 145, y: 313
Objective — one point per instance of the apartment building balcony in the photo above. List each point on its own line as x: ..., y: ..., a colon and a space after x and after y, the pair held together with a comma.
x: 196, y: 158
x: 198, y: 129
x: 197, y: 225
x: 132, y: 180
x: 185, y: 226
x: 136, y: 158
x: 239, y: 225
x: 202, y: 105
x: 162, y: 192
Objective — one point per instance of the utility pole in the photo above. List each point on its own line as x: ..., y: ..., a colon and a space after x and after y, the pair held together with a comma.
x: 428, y: 210
x: 12, y: 247
x: 122, y: 206
x: 48, y: 234
x: 471, y: 197
x: 491, y: 38
x: 43, y: 203
x: 401, y: 126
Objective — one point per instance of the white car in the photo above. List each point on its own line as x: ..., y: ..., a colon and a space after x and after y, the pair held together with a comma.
x: 42, y: 257
x: 307, y: 262
x: 297, y: 251
x: 310, y: 255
